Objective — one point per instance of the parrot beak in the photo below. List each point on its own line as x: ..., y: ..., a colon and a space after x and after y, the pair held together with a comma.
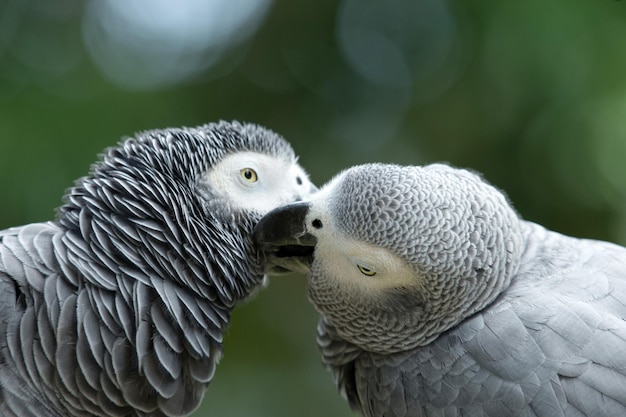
x: 282, y: 235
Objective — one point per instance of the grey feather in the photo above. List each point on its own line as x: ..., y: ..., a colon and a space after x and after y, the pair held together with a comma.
x: 118, y: 307
x: 508, y: 318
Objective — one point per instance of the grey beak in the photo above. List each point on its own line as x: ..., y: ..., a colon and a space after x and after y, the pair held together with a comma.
x: 282, y: 234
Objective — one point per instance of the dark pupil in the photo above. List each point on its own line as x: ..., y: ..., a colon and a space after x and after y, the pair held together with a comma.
x: 247, y: 174
x: 299, y: 180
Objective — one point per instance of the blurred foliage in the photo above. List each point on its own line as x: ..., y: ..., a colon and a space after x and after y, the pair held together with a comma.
x: 532, y: 94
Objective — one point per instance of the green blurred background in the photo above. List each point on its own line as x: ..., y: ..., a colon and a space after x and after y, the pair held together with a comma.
x: 531, y: 93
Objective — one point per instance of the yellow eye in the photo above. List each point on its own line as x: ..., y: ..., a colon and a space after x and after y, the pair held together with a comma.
x: 366, y: 271
x: 249, y: 175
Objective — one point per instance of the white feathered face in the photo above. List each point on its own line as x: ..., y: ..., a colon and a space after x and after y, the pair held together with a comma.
x: 351, y: 263
x: 258, y: 182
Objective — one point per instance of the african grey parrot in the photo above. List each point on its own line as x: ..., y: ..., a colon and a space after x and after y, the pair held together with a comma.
x: 438, y: 300
x: 118, y: 307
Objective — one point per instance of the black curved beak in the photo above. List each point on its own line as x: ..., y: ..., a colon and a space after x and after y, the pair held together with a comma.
x: 282, y: 234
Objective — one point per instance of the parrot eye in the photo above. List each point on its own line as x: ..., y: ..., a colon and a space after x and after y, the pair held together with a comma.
x: 366, y: 271
x: 249, y: 175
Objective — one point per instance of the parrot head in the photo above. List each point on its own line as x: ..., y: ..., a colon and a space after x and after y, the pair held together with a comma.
x: 397, y: 254
x: 181, y: 204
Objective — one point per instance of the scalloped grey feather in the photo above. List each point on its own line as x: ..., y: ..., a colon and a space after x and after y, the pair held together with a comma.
x: 497, y: 316
x: 118, y: 308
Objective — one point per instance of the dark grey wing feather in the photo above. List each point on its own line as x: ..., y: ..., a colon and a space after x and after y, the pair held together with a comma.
x: 66, y: 347
x: 27, y: 330
x: 339, y: 356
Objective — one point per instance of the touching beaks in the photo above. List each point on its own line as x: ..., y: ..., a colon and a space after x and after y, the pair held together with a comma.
x: 283, y: 236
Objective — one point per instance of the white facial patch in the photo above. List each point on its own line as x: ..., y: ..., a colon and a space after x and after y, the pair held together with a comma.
x: 363, y: 266
x: 358, y: 265
x: 258, y: 182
